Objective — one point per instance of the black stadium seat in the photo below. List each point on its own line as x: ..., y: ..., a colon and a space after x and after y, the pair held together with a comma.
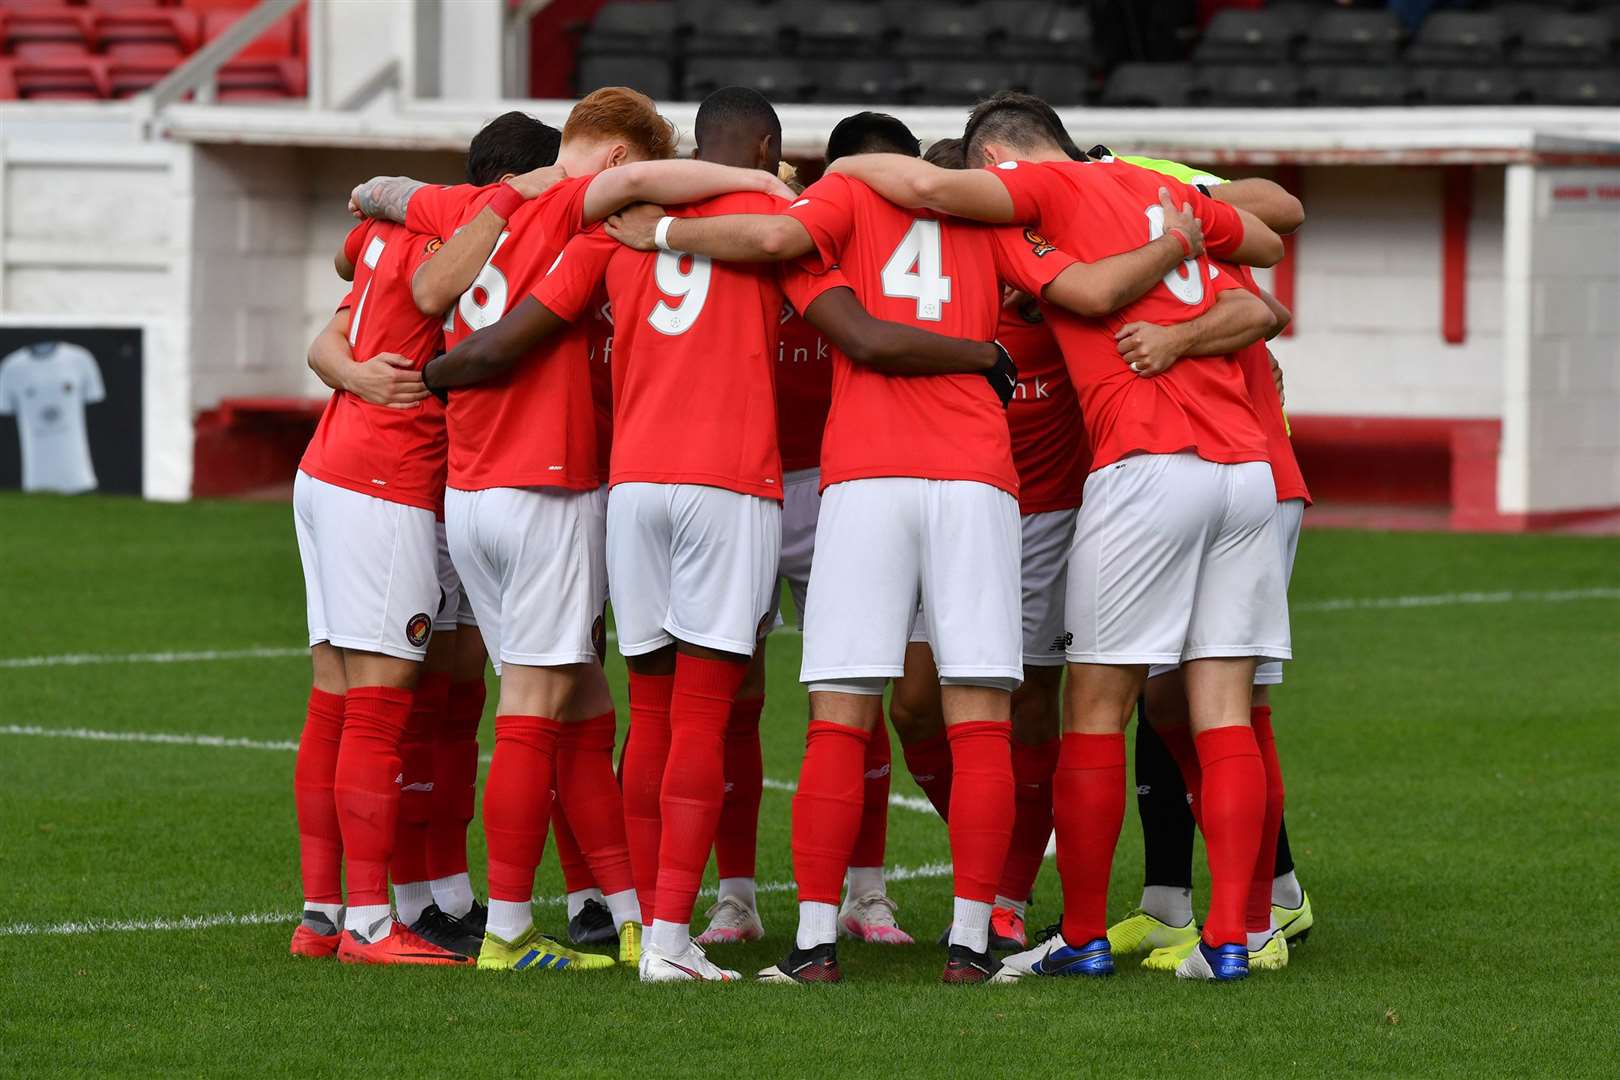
x: 1459, y: 37
x: 1574, y: 86
x: 1151, y: 86
x: 1037, y: 30
x: 837, y: 29
x: 861, y: 81
x: 957, y: 82
x: 737, y: 28
x: 1341, y: 36
x: 782, y: 81
x: 1360, y: 86
x: 1248, y: 37
x: 1060, y: 84
x: 940, y: 30
x: 644, y: 29
x: 1468, y: 86
x: 1254, y: 86
x: 652, y: 75
x: 1566, y: 40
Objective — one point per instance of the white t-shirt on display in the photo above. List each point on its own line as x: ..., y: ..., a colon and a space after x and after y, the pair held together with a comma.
x: 46, y: 387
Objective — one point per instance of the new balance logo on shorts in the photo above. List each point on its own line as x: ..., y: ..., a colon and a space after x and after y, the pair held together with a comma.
x: 1061, y: 643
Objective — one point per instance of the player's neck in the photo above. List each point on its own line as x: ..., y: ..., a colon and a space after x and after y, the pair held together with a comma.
x: 1046, y: 153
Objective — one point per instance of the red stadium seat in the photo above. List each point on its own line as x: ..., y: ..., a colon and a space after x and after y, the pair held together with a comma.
x: 40, y: 33
x: 129, y: 75
x: 147, y: 33
x: 278, y: 42
x: 8, y: 81
x: 125, y: 5
x: 62, y: 79
x: 262, y: 80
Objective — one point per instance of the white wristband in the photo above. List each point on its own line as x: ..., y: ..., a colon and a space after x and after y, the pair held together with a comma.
x: 661, y: 233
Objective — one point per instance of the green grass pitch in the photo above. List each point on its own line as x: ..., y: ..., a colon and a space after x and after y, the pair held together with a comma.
x: 1452, y: 768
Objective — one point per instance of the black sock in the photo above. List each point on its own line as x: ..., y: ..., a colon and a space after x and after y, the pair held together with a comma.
x: 1161, y: 802
x: 1285, y: 858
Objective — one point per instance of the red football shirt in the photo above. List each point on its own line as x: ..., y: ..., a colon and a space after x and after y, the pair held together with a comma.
x: 804, y: 374
x: 1255, y: 363
x: 394, y: 454
x: 1096, y: 209
x: 535, y: 425
x: 1049, y: 445
x: 694, y: 350
x: 939, y: 274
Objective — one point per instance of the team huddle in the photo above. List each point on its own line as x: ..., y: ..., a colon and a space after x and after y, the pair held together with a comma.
x: 994, y: 414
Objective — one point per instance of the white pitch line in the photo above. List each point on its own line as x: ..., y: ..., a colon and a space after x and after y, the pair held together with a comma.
x: 927, y: 871
x: 1352, y: 603
x: 904, y: 802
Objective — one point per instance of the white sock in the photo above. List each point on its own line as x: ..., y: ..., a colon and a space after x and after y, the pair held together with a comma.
x: 1285, y: 891
x: 865, y: 881
x: 970, y: 924
x: 331, y: 911
x: 576, y: 900
x: 1169, y: 904
x: 1016, y: 905
x: 740, y: 889
x: 510, y: 919
x: 411, y: 899
x: 453, y: 894
x: 625, y: 908
x: 818, y: 924
x: 1258, y: 941
x: 371, y: 921
x: 669, y: 938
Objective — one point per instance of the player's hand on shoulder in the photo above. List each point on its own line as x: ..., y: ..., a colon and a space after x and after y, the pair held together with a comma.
x: 386, y: 379
x: 536, y: 181
x: 1148, y: 348
x: 1184, y: 219
x: 634, y: 226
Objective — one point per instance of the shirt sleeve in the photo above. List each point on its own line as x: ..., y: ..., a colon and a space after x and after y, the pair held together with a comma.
x: 1175, y: 169
x: 439, y: 211
x: 576, y: 276
x: 1027, y: 260
x: 1031, y: 188
x: 802, y: 286
x: 1223, y: 227
x: 565, y: 206
x: 90, y: 373
x: 354, y: 243
x: 826, y: 210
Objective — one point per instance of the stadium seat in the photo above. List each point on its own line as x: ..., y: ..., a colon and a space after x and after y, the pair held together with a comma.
x: 1254, y: 86
x: 1377, y: 85
x: 643, y: 29
x: 1558, y: 40
x: 61, y: 78
x: 1248, y: 37
x: 125, y: 5
x: 858, y: 81
x: 1341, y: 36
x: 838, y: 29
x: 128, y: 75
x: 782, y: 81
x: 1468, y: 86
x: 1060, y: 84
x: 957, y: 82
x: 1574, y: 86
x: 939, y: 30
x: 38, y: 33
x: 278, y: 41
x: 1156, y: 86
x: 8, y: 80
x: 147, y: 33
x: 652, y: 75
x: 1459, y: 37
x: 738, y: 28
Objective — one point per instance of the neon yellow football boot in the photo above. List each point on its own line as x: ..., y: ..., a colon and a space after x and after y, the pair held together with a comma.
x: 1169, y: 957
x: 536, y: 952
x: 1295, y: 923
x: 1141, y: 932
x: 1272, y: 956
x: 630, y: 944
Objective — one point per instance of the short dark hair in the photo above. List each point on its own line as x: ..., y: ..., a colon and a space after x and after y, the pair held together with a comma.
x: 735, y: 110
x: 871, y: 133
x: 947, y: 154
x: 1022, y: 121
x: 513, y: 142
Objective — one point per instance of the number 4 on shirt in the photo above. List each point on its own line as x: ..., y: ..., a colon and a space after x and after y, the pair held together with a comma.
x: 913, y: 271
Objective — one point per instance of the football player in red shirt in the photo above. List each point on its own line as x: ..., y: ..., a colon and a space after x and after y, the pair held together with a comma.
x: 1176, y: 533
x: 930, y: 459
x: 523, y: 465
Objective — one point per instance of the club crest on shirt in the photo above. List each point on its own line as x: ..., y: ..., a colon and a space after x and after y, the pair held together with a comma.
x: 417, y: 629
x: 1038, y: 243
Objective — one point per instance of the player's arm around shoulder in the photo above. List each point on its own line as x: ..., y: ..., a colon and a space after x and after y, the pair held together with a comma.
x: 440, y: 280
x: 1237, y: 319
x: 386, y: 379
x: 733, y: 237
x: 975, y: 194
x: 1265, y: 199
x: 1093, y: 290
x: 671, y: 183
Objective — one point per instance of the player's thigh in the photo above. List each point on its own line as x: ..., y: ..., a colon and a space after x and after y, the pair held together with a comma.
x: 971, y: 595
x: 725, y: 552
x: 1133, y: 568
x: 639, y: 565
x: 378, y: 566
x: 1290, y: 519
x: 1240, y: 604
x: 865, y: 579
x: 1043, y: 572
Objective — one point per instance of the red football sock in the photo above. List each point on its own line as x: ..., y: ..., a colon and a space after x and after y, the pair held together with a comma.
x: 429, y: 702
x: 1234, y: 807
x: 1258, y: 919
x: 320, y: 841
x: 587, y: 789
x: 1088, y: 807
x: 455, y: 779
x: 929, y: 762
x: 694, y: 778
x: 366, y: 789
x: 517, y: 803
x: 646, y: 751
x: 981, y: 812
x: 576, y: 871
x: 827, y: 809
x: 1179, y: 741
x: 872, y: 841
x: 736, y: 838
x: 1032, y: 768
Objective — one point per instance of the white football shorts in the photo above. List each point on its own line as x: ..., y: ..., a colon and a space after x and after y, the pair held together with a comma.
x: 886, y: 544
x: 691, y: 563
x: 801, y: 504
x: 370, y: 569
x: 1175, y: 559
x: 531, y: 564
